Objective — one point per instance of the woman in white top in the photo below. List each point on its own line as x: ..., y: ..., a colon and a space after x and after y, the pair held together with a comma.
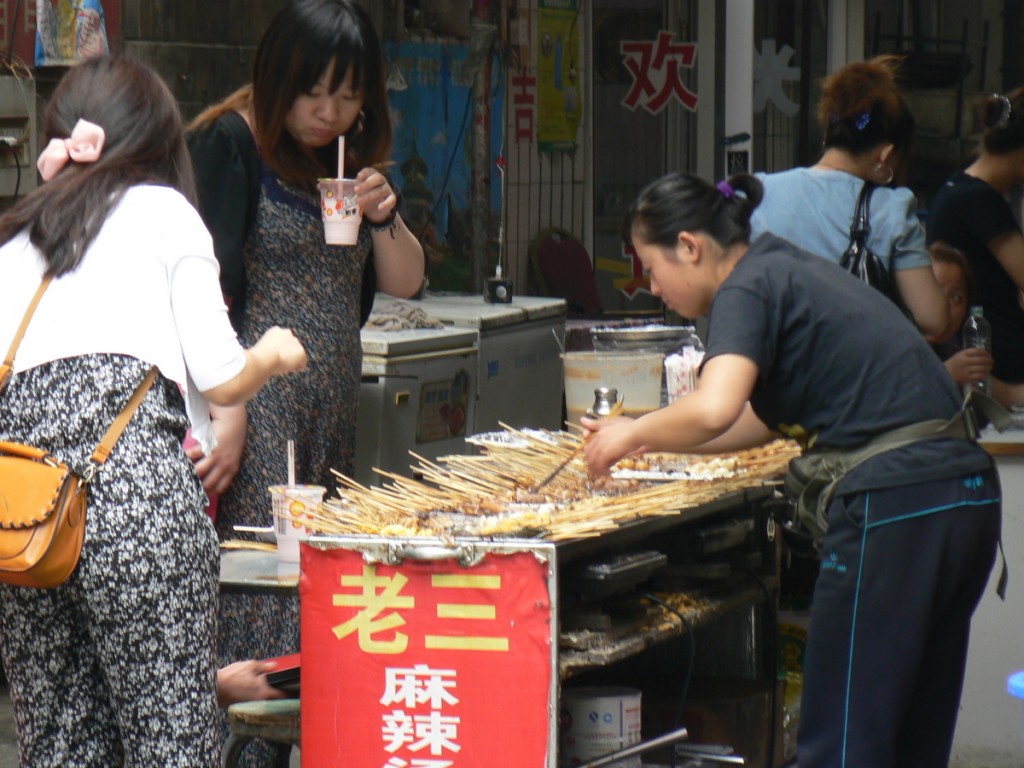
x: 117, y: 665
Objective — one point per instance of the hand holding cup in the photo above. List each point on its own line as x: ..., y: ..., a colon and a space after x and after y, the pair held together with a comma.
x: 375, y: 195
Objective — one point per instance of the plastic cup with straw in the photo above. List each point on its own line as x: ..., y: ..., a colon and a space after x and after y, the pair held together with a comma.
x: 294, y: 506
x: 341, y: 213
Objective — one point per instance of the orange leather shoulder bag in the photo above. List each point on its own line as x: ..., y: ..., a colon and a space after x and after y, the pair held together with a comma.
x: 42, y: 500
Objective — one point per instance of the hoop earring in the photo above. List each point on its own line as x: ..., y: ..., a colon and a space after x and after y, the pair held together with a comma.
x: 881, y: 169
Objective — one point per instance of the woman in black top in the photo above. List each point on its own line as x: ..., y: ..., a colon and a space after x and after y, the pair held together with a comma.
x: 318, y: 74
x: 796, y: 346
x: 970, y: 212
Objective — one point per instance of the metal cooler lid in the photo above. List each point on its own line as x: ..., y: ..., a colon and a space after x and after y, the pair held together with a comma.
x: 471, y: 311
x: 415, y: 341
x: 539, y: 307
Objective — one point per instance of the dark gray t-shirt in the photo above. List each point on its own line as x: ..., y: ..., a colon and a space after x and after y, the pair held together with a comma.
x: 838, y: 363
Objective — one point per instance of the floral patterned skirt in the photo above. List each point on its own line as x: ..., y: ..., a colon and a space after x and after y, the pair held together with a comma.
x: 117, y: 665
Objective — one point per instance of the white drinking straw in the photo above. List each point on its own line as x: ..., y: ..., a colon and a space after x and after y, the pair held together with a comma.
x: 291, y: 463
x: 341, y: 157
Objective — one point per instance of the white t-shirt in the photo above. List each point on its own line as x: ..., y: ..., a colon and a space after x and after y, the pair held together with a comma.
x: 147, y: 287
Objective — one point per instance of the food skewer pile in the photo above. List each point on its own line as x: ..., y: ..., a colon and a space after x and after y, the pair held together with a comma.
x: 492, y: 494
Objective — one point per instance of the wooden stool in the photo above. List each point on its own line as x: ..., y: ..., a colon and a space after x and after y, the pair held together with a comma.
x: 275, y: 720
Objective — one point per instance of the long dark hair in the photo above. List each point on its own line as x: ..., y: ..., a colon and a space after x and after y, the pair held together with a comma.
x: 143, y: 145
x: 295, y: 51
x: 681, y: 202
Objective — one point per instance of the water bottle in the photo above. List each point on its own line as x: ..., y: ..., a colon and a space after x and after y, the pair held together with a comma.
x: 977, y: 335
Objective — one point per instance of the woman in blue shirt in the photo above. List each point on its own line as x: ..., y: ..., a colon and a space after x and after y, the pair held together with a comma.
x: 867, y: 129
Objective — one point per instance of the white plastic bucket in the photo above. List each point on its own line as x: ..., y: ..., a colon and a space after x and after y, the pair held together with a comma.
x: 595, y: 721
x: 636, y: 376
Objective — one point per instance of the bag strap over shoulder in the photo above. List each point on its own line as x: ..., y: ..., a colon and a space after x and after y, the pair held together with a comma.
x: 106, y: 445
x: 8, y: 364
x: 861, y: 215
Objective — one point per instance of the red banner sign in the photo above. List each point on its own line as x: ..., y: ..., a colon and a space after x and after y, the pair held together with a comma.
x: 427, y: 664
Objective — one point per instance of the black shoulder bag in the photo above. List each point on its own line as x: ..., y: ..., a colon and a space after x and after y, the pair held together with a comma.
x: 861, y: 262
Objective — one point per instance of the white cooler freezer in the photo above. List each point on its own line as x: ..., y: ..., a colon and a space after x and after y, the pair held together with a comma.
x: 417, y: 394
x: 520, y: 380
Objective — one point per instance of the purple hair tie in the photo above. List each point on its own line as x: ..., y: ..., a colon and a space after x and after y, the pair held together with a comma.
x: 727, y: 191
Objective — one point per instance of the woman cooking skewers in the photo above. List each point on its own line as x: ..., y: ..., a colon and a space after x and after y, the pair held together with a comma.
x: 799, y: 347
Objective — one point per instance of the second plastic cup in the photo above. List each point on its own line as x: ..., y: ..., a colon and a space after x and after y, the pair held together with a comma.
x: 341, y: 213
x: 294, y: 507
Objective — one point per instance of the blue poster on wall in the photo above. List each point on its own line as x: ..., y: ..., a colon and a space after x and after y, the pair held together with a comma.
x: 68, y: 31
x: 430, y: 88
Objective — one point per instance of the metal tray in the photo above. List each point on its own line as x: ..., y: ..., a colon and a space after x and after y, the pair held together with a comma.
x: 663, y: 338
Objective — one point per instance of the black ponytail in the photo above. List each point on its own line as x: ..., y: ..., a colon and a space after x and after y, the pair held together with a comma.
x: 1002, y: 118
x: 680, y: 202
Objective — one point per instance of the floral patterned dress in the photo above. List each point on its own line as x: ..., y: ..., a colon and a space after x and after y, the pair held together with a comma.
x: 294, y: 280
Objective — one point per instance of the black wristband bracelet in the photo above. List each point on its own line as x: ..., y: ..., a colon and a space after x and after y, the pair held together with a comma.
x: 388, y: 225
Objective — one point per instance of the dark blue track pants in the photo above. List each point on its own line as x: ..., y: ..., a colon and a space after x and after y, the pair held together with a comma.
x: 902, y: 571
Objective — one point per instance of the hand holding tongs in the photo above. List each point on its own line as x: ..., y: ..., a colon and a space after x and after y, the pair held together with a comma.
x: 615, y: 410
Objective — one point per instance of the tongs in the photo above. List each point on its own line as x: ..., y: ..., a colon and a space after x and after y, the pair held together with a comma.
x: 705, y: 752
x: 614, y: 411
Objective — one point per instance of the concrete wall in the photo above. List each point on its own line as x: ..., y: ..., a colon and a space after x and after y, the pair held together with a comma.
x: 204, y: 50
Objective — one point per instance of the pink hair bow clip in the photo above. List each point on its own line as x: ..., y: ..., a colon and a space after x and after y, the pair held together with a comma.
x: 83, y: 146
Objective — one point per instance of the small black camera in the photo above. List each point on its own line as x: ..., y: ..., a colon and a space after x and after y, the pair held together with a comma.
x: 498, y: 291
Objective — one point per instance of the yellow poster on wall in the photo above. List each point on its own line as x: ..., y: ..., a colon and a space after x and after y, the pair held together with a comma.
x: 559, y: 92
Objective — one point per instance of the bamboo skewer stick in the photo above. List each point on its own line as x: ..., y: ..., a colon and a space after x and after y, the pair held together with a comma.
x: 478, y: 495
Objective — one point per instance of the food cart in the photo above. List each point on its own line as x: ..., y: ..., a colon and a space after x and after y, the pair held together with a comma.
x: 449, y: 645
